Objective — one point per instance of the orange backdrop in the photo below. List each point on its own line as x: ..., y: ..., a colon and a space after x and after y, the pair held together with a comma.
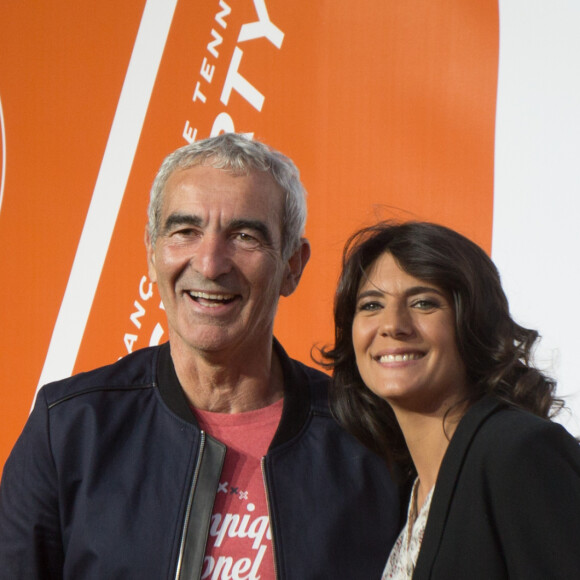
x: 387, y: 108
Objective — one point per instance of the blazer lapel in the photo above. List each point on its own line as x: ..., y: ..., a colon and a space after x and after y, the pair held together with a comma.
x: 446, y: 481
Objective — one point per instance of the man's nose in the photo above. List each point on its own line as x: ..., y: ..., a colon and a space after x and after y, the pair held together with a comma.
x: 212, y: 257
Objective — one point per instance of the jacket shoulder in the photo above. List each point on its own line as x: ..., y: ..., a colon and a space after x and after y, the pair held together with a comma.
x: 317, y: 379
x: 508, y: 446
x: 135, y: 370
x: 317, y: 383
x: 511, y: 429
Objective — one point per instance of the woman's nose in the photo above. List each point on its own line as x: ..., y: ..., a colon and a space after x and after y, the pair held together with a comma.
x: 396, y: 321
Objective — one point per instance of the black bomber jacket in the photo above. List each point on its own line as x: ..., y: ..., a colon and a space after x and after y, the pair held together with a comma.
x: 112, y: 478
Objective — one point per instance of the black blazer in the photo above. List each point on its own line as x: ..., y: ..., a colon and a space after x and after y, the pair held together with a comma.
x: 507, y: 501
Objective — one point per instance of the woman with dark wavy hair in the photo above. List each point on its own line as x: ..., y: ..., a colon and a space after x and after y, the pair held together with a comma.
x: 431, y: 371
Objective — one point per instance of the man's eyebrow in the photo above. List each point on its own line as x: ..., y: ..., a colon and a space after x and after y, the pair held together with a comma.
x: 257, y: 226
x: 181, y: 219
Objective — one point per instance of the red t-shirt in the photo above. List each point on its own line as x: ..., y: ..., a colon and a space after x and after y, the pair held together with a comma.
x: 240, y: 543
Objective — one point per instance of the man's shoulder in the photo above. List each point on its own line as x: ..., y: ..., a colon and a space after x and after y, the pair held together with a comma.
x: 312, y: 383
x: 314, y: 376
x: 136, y: 370
x: 295, y: 370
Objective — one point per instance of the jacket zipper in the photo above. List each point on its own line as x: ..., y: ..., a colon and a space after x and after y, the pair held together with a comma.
x: 189, y: 504
x: 263, y: 462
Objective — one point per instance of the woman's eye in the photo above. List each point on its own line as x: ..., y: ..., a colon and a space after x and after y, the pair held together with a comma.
x: 369, y: 306
x: 425, y: 304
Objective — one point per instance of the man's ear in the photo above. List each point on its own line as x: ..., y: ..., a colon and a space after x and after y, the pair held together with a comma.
x: 150, y: 249
x: 295, y: 267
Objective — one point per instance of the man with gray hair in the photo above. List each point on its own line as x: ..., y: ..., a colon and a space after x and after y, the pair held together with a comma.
x: 213, y: 455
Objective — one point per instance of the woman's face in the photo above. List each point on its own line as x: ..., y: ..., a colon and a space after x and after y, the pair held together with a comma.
x: 404, y: 340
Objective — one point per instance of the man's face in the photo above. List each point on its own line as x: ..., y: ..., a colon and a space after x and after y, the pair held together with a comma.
x: 217, y: 259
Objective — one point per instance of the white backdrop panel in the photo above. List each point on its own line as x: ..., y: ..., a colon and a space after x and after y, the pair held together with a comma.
x: 536, y: 239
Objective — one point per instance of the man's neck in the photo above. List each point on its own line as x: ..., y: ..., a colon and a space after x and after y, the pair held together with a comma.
x: 225, y: 383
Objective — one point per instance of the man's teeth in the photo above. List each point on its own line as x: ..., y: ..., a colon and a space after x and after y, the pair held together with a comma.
x: 399, y: 357
x: 216, y: 297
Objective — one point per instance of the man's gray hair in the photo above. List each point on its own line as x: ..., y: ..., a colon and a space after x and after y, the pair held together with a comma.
x: 236, y: 153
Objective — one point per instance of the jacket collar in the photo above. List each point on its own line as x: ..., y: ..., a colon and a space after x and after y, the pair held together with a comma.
x: 451, y: 465
x: 297, y: 393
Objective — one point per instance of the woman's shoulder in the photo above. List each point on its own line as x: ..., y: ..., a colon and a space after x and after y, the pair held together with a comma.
x: 510, y: 432
x: 507, y: 419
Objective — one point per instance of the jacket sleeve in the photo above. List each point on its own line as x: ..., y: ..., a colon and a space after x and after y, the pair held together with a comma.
x: 30, y: 538
x: 536, y: 486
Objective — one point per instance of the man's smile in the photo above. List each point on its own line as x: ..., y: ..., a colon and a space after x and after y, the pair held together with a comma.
x: 211, y: 300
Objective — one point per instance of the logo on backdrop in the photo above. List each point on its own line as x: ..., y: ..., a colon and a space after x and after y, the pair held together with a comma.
x: 235, y: 82
x: 2, y: 154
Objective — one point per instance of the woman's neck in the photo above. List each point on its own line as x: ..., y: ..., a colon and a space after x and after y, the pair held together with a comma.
x: 427, y: 438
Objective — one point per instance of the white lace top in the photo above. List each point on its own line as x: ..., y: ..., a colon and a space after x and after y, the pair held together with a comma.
x: 403, y: 557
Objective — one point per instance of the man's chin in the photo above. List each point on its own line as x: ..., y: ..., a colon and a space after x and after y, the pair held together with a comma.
x: 215, y: 339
